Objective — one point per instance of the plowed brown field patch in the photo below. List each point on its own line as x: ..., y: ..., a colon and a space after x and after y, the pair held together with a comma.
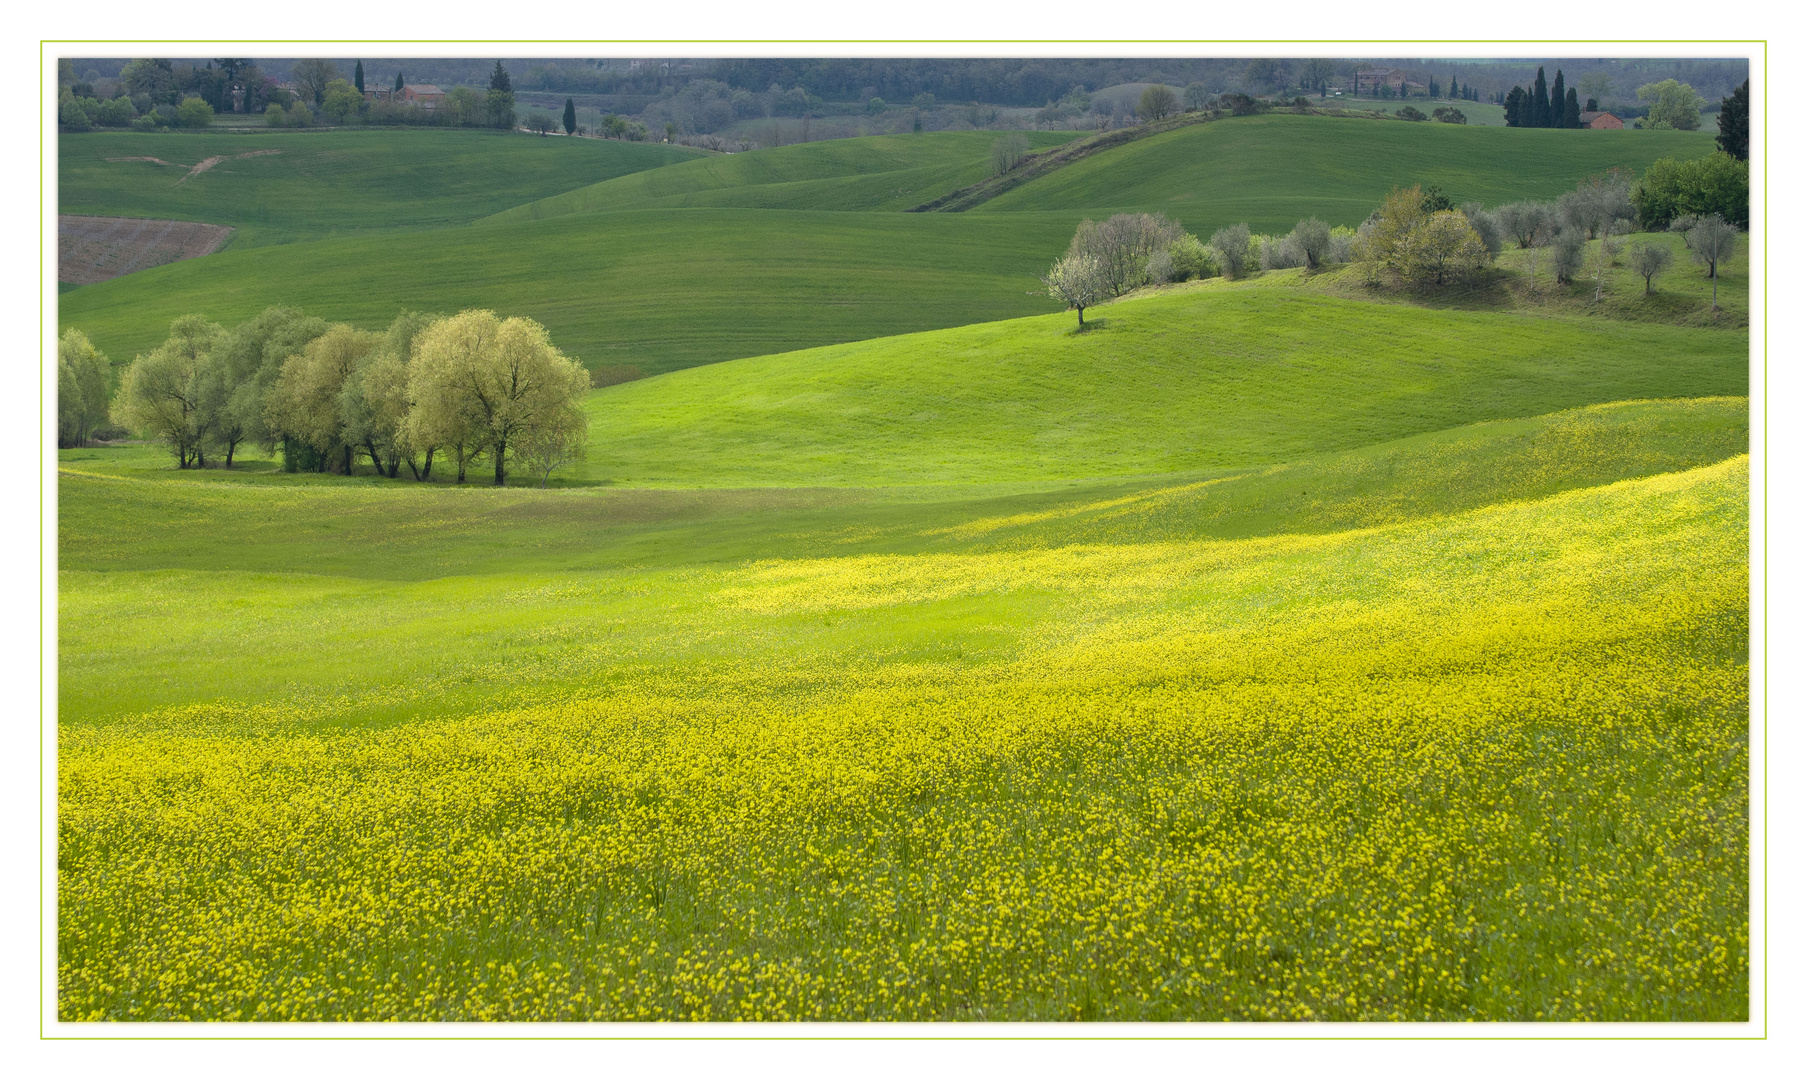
x: 91, y: 249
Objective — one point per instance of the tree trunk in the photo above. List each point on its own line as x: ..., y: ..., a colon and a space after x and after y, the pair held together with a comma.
x: 426, y: 471
x: 501, y: 464
x: 231, y: 445
x: 201, y: 454
x: 1082, y: 316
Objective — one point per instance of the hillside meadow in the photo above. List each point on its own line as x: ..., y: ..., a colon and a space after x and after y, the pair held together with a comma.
x: 1274, y: 649
x: 656, y: 289
x: 1423, y: 767
x: 278, y: 187
x: 1273, y: 170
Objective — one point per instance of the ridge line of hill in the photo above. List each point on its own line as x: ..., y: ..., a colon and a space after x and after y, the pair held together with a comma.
x: 1039, y: 164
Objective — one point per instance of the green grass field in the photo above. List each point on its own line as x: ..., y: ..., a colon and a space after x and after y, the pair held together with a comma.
x: 881, y: 172
x: 326, y: 183
x: 658, y: 289
x: 1276, y: 649
x: 1273, y: 170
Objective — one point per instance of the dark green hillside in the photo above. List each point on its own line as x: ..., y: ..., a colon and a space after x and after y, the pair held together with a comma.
x: 880, y: 172
x: 658, y: 289
x: 1272, y: 170
x: 323, y: 183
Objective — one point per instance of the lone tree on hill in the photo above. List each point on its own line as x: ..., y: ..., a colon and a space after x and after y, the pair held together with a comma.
x: 357, y: 76
x: 570, y: 117
x: 1077, y: 281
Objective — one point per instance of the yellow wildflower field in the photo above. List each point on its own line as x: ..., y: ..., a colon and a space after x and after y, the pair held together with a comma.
x: 1484, y: 765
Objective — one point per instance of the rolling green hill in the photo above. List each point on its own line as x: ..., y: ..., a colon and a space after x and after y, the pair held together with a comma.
x: 658, y: 289
x: 880, y: 172
x: 1273, y: 170
x: 1213, y: 379
x: 309, y: 184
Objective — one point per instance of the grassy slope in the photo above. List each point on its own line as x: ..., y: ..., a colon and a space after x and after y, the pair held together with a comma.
x: 731, y: 753
x: 330, y: 182
x: 1195, y: 380
x: 1272, y: 170
x: 656, y: 289
x: 880, y: 172
x: 746, y: 788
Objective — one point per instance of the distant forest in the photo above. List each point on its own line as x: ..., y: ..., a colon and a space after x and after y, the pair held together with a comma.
x: 1015, y: 82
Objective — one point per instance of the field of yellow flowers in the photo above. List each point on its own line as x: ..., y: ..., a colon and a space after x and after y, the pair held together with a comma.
x: 1114, y: 758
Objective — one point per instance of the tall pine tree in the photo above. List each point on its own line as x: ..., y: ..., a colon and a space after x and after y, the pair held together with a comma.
x: 498, y: 79
x: 1571, y: 110
x: 1540, y: 103
x: 357, y: 76
x: 398, y: 82
x: 570, y: 117
x: 1557, y: 98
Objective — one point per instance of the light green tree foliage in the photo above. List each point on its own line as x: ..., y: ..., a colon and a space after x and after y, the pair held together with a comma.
x: 194, y: 113
x: 1078, y: 281
x: 304, y: 403
x: 160, y: 393
x: 83, y: 379
x: 559, y: 438
x: 374, y: 403
x: 497, y: 379
x: 1441, y: 248
x: 341, y: 102
x: 1715, y: 184
x: 1672, y: 105
x: 1191, y: 259
x: 251, y: 361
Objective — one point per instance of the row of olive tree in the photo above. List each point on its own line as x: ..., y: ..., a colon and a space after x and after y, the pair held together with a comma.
x: 465, y: 386
x: 1127, y: 251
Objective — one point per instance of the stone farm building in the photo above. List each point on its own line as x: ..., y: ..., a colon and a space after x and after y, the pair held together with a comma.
x: 425, y: 95
x: 1370, y: 79
x: 1601, y: 121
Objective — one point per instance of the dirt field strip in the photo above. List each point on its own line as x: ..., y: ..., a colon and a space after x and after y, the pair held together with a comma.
x: 158, y: 161
x: 91, y: 249
x: 212, y: 161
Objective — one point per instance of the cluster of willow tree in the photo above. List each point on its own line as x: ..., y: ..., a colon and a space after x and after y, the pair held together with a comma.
x: 465, y: 386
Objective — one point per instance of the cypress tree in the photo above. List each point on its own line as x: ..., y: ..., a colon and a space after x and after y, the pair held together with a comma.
x: 570, y: 117
x: 398, y: 82
x: 1515, y: 108
x: 1571, y: 110
x: 1557, y: 103
x: 357, y: 76
x: 1540, y: 103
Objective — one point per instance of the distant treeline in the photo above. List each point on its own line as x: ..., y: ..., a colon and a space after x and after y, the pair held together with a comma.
x: 1016, y: 81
